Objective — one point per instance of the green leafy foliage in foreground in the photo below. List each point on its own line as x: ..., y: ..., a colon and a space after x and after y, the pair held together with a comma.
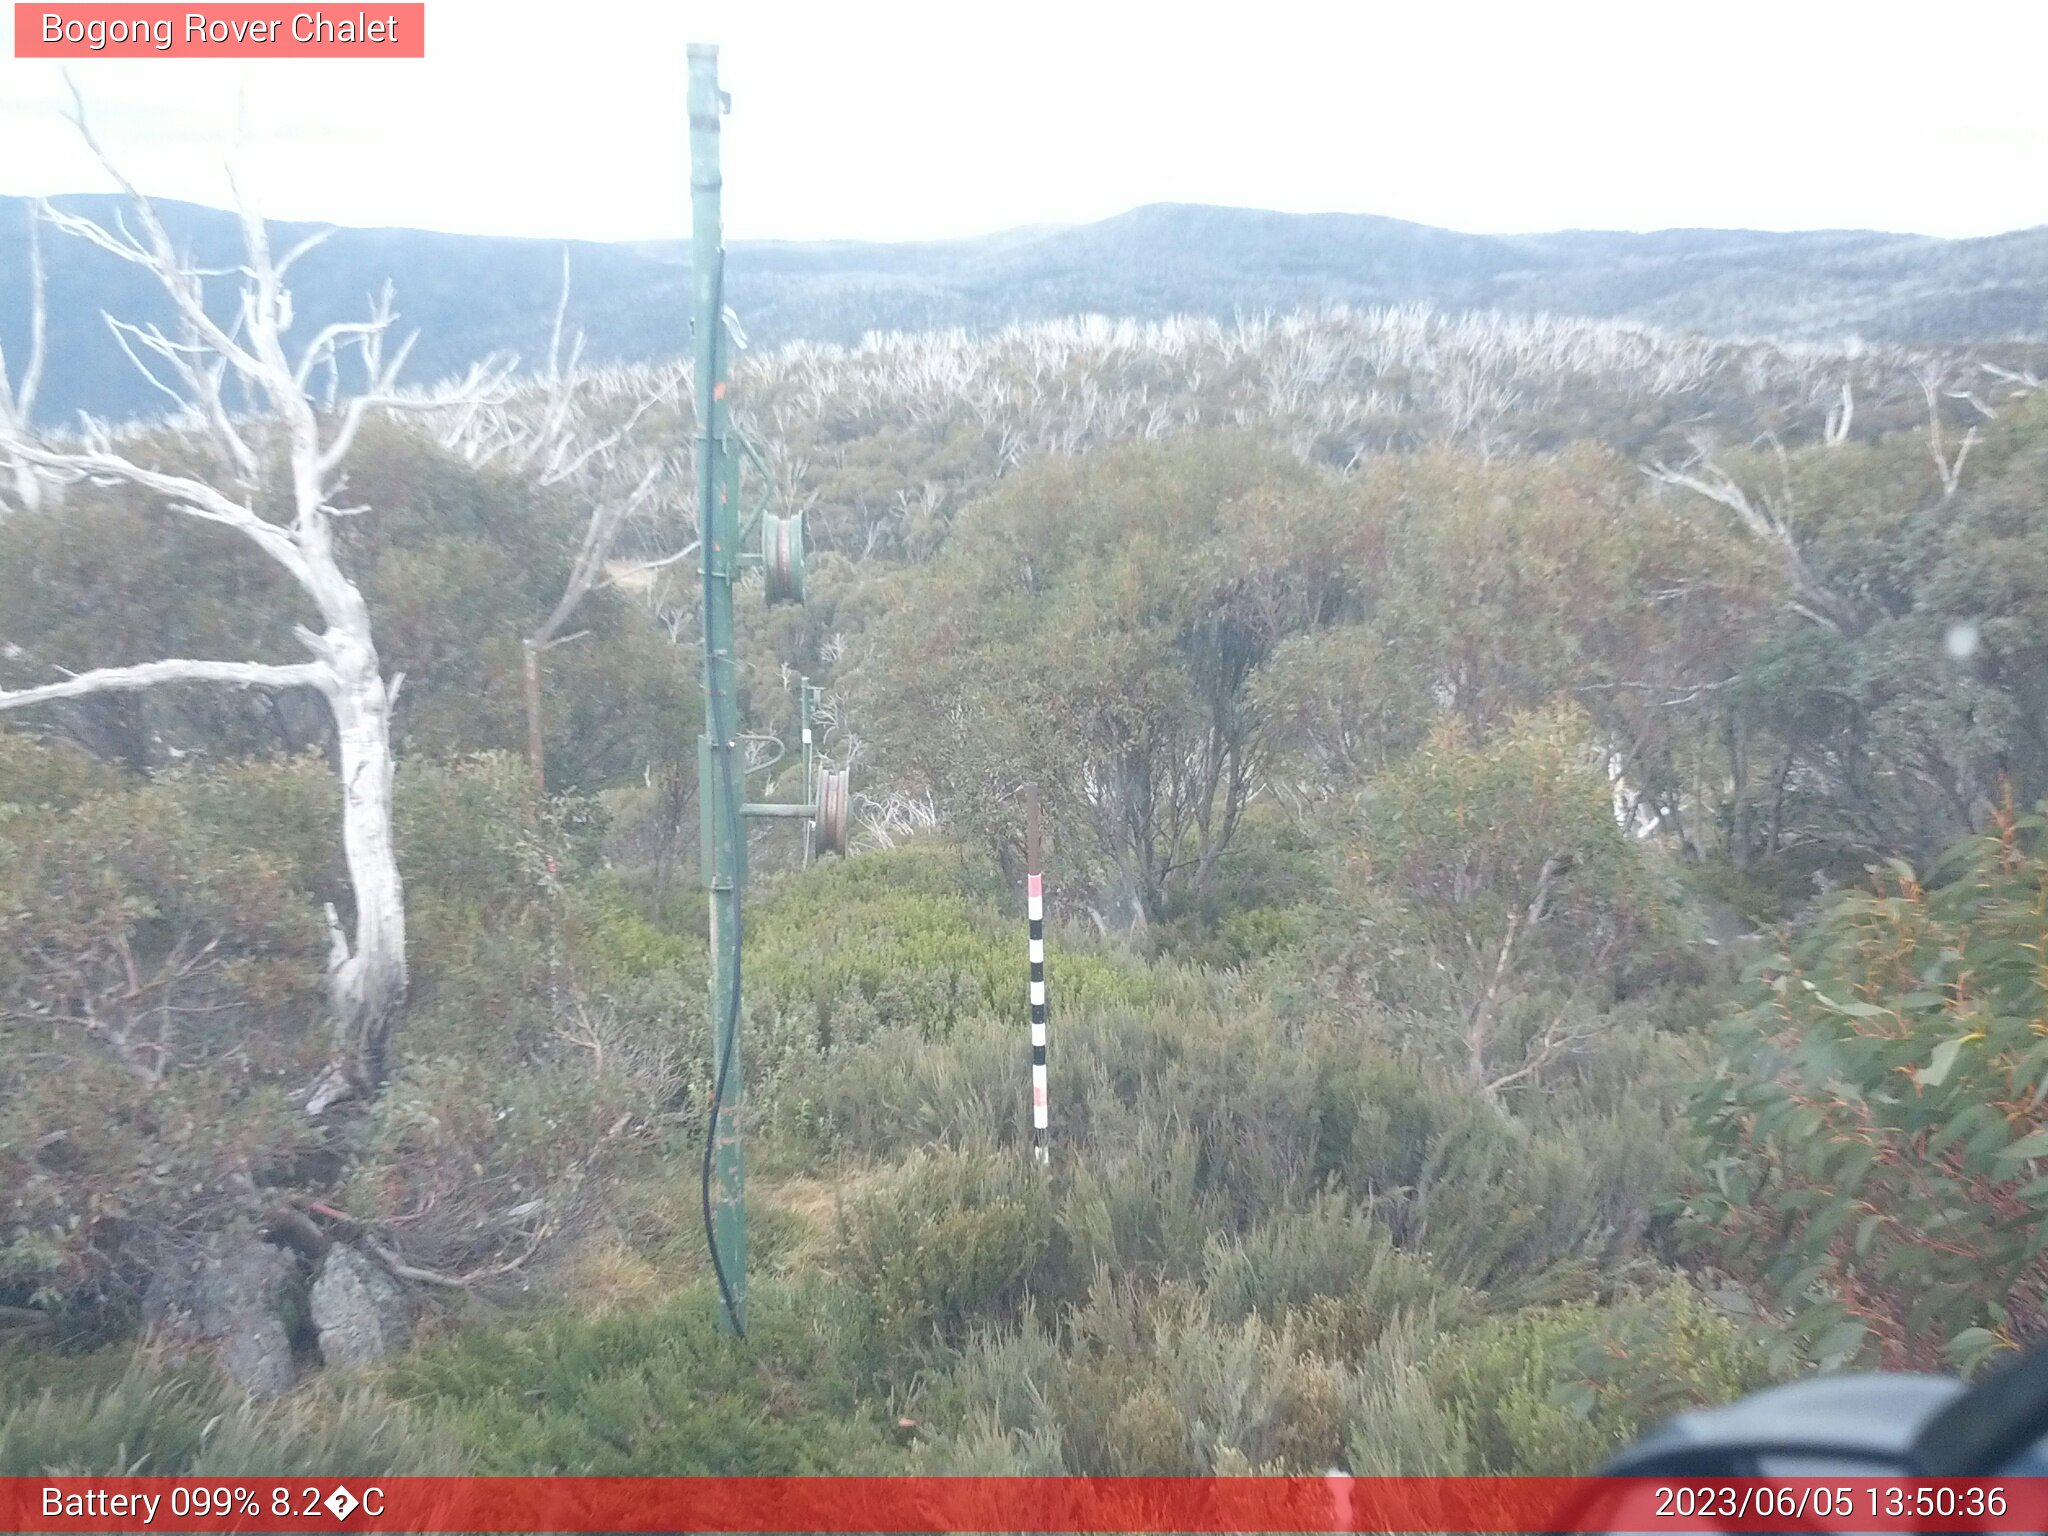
x: 1877, y: 1133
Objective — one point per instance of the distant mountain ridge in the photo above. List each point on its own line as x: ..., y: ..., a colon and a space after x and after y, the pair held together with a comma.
x: 472, y: 295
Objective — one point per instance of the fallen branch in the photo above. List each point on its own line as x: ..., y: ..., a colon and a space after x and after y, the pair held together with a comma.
x: 414, y: 1272
x: 390, y: 1259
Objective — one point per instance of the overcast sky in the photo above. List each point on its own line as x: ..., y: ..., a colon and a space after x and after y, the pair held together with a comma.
x: 883, y: 120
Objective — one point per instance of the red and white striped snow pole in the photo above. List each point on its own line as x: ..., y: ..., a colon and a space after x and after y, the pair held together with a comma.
x: 1034, y: 912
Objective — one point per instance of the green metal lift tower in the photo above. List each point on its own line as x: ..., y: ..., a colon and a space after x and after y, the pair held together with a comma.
x: 720, y: 773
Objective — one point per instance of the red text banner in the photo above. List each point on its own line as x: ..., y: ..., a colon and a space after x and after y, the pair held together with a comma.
x: 1022, y: 1504
x: 219, y: 31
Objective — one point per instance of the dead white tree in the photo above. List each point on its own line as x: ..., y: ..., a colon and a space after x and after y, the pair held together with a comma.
x: 897, y: 817
x: 1835, y: 431
x: 1768, y: 526
x: 1948, y: 469
x: 18, y: 400
x: 282, y: 440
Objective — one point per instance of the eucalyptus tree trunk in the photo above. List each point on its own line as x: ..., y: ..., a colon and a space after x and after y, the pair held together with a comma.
x: 366, y: 979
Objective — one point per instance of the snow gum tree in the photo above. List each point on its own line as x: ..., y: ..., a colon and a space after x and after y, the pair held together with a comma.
x: 277, y: 483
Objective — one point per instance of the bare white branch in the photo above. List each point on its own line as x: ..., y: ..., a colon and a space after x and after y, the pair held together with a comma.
x: 1836, y: 429
x: 18, y: 401
x: 193, y: 497
x: 1948, y: 470
x: 1707, y: 478
x: 150, y: 674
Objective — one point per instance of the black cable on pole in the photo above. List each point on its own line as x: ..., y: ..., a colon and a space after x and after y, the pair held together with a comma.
x: 728, y: 1035
x: 729, y: 1027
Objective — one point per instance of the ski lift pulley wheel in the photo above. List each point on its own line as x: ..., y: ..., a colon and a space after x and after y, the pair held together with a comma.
x: 835, y: 794
x: 782, y: 557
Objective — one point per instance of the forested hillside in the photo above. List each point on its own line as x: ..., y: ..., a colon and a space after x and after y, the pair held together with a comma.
x: 473, y: 296
x: 1545, y: 875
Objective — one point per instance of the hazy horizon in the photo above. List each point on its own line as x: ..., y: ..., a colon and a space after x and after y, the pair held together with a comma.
x: 919, y: 122
x: 1057, y: 226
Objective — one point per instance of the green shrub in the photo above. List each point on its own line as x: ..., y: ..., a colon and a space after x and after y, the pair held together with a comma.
x: 659, y: 1392
x: 1331, y: 1269
x: 908, y: 937
x: 1135, y: 1206
x: 1555, y: 1391
x: 1003, y: 1381
x: 1500, y: 1202
x: 1400, y: 1426
x: 952, y: 1241
x: 52, y: 776
x: 160, y: 988
x: 1148, y: 1437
